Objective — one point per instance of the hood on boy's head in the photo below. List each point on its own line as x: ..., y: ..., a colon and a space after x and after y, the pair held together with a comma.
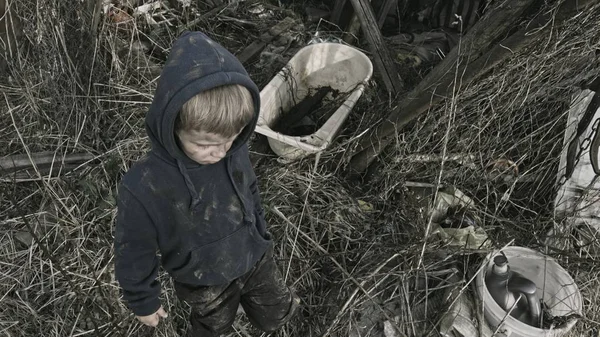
x: 196, y: 64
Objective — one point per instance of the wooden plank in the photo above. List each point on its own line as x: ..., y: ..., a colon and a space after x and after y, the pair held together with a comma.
x: 41, y: 159
x: 381, y: 55
x: 42, y: 173
x: 257, y: 46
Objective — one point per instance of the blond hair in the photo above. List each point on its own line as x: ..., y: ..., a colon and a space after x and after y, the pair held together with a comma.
x: 223, y: 110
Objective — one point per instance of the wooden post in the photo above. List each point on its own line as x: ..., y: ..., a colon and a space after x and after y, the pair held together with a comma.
x: 381, y: 55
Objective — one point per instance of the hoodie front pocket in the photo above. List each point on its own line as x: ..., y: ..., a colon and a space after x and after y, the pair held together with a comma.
x: 224, y: 260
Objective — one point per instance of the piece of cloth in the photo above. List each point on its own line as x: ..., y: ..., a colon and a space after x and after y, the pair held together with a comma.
x: 262, y: 292
x: 206, y: 220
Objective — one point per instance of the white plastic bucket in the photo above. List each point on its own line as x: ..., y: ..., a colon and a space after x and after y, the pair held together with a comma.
x: 338, y: 66
x: 555, y: 287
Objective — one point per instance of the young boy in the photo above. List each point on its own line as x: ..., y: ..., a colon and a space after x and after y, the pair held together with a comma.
x: 195, y: 199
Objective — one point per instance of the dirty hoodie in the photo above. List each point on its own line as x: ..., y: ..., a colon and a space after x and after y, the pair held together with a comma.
x: 204, y: 222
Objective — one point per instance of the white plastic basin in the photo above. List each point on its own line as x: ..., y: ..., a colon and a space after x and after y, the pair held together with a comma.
x: 554, y: 286
x: 338, y: 66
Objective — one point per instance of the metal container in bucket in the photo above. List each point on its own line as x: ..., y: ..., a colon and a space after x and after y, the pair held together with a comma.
x: 555, y: 287
x: 338, y: 66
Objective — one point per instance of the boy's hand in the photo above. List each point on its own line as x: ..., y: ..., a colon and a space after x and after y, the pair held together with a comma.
x: 152, y: 320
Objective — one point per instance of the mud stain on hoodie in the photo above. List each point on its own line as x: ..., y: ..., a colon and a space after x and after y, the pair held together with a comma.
x: 235, y: 213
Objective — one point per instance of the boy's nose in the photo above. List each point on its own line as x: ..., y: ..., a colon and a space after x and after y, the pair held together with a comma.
x: 219, y: 152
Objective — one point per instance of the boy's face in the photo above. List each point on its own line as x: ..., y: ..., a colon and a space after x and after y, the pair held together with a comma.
x: 204, y: 148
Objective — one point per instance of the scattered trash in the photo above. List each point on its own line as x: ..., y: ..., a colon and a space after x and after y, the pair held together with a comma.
x: 502, y: 170
x: 119, y: 16
x: 324, y: 38
x: 125, y: 16
x: 260, y: 11
x: 86, y: 324
x: 456, y: 223
x: 389, y: 330
x: 147, y: 8
x: 459, y: 320
x: 25, y: 238
x: 458, y: 216
x: 551, y: 322
x: 419, y: 49
x: 365, y: 206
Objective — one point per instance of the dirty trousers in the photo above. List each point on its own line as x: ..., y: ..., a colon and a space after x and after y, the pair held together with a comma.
x: 262, y: 292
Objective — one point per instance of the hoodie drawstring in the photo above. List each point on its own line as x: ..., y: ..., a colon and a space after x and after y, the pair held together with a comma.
x: 188, y: 182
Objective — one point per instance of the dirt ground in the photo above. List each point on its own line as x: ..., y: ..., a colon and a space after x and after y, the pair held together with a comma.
x: 360, y: 251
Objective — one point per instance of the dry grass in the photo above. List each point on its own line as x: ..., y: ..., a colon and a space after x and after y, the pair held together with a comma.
x: 516, y: 112
x: 354, y: 251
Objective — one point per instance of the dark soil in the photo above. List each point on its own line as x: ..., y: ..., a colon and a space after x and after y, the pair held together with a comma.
x: 311, y: 113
